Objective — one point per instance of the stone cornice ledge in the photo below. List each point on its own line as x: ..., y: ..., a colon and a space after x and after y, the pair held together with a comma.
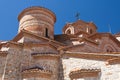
x: 82, y: 73
x: 36, y: 73
x: 45, y: 56
x: 93, y: 56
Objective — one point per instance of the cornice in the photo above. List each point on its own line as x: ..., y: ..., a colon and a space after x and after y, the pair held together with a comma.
x: 36, y: 72
x: 93, y: 56
x: 82, y: 73
x: 47, y: 55
x: 113, y: 61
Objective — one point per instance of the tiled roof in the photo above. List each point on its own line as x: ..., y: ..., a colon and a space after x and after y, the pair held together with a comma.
x: 63, y: 37
x: 84, y: 73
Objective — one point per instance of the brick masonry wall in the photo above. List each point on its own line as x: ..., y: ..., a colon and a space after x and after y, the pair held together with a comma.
x: 105, y: 41
x: 20, y: 57
x: 52, y: 65
x: 12, y: 71
x: 29, y: 61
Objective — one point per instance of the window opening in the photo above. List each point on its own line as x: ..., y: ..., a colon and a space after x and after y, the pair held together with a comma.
x: 91, y: 31
x: 46, y: 32
x: 69, y: 31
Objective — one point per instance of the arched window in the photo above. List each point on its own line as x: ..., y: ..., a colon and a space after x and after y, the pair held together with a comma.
x: 46, y: 32
x: 109, y: 50
x: 68, y: 31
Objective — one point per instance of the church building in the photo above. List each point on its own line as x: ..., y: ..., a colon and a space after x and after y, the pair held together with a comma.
x: 79, y: 53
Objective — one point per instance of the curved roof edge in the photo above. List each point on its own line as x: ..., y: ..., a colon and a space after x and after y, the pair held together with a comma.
x: 36, y: 8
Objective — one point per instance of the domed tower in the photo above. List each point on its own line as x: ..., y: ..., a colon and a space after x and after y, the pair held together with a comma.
x: 79, y: 27
x: 37, y: 20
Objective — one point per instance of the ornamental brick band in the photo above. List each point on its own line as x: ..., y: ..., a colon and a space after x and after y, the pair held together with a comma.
x: 82, y: 73
x: 36, y: 72
x: 47, y: 55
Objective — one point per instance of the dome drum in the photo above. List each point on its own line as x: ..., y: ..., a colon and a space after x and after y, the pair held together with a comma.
x: 38, y: 20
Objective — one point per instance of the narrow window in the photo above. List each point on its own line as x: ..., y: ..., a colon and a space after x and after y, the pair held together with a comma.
x: 91, y: 31
x: 46, y: 32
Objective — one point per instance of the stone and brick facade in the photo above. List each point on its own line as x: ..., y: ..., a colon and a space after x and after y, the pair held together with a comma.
x: 80, y: 53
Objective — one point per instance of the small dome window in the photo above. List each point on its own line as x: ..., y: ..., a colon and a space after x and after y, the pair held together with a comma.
x: 68, y: 31
x: 91, y: 31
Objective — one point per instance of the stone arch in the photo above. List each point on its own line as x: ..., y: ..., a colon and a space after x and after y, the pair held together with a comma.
x: 109, y: 48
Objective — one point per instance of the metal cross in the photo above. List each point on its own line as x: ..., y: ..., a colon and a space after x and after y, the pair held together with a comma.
x: 77, y: 16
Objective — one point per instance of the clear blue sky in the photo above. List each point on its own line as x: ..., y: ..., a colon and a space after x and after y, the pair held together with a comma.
x: 101, y: 12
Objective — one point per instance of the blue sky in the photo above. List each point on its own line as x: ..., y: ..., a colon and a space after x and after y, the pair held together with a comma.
x: 101, y: 12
